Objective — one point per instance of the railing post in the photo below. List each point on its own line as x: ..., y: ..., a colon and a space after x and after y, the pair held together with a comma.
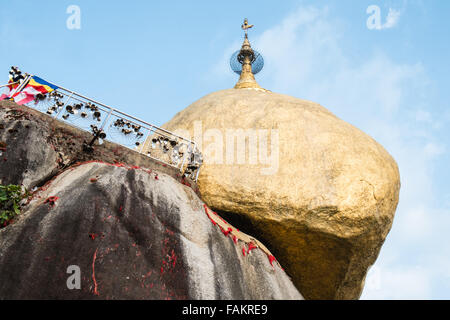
x: 106, y: 119
x: 188, y: 154
x: 198, y: 172
x: 145, y: 140
x: 65, y: 103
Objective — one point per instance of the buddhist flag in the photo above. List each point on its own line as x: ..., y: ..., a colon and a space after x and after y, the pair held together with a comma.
x: 34, y: 87
x: 9, y: 88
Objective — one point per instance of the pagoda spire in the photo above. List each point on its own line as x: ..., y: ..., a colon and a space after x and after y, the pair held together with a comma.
x: 246, y: 57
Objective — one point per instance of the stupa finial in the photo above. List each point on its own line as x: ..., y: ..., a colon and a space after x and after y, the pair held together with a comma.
x: 245, y: 26
x: 246, y: 57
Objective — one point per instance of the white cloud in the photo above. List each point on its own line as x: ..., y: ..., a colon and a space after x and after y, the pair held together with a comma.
x: 434, y: 149
x: 392, y: 19
x: 423, y: 116
x: 416, y: 225
x: 397, y: 283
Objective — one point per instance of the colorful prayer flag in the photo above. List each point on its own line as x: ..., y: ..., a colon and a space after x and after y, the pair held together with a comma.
x: 34, y: 87
x: 8, y: 90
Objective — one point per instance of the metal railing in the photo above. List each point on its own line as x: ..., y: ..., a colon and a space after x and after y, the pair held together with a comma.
x: 111, y: 124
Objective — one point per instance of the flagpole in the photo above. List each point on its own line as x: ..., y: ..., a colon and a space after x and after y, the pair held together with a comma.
x: 21, y: 86
x: 9, y: 84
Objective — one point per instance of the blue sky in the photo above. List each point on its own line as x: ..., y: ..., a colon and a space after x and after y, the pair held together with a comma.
x: 152, y: 59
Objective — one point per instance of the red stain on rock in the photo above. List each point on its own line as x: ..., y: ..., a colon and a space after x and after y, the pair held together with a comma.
x: 47, y: 184
x: 120, y: 165
x: 272, y: 259
x: 183, y: 181
x: 148, y: 274
x: 170, y: 232
x: 173, y: 258
x: 51, y: 200
x: 207, y: 214
x: 93, y: 273
x: 251, y: 246
x: 227, y: 231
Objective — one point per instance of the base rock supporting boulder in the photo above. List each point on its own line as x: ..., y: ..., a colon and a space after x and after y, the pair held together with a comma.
x: 134, y: 234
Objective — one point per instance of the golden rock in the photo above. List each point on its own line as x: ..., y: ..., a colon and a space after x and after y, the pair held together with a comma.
x: 325, y: 201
